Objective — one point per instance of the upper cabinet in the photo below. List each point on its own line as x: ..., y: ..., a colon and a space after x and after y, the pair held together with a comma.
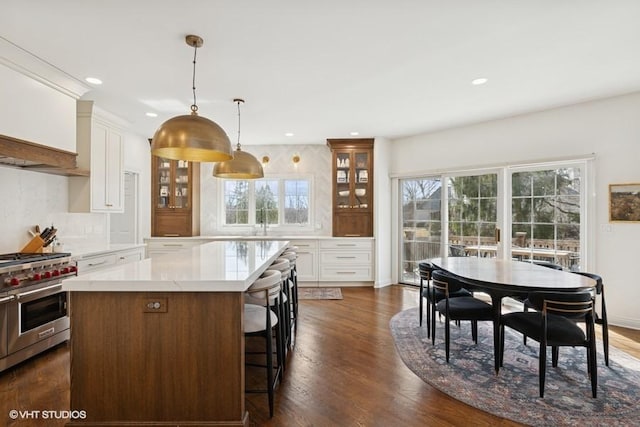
x: 175, y: 197
x: 100, y: 150
x: 352, y: 189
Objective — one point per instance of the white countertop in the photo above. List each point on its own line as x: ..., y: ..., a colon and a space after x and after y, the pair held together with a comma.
x: 221, y: 266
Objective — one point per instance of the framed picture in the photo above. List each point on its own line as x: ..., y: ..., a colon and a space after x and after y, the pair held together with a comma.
x: 624, y: 202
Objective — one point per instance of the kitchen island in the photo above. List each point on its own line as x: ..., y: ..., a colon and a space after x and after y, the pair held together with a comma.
x: 160, y: 342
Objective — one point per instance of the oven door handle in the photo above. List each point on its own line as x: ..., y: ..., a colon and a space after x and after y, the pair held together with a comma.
x: 6, y: 299
x: 24, y: 294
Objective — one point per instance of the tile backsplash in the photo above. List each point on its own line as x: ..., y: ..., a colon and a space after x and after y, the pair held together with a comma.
x: 30, y: 198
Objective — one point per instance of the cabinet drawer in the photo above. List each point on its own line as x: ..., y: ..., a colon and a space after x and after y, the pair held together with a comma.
x: 95, y: 263
x: 345, y: 274
x: 124, y: 258
x: 345, y: 257
x: 304, y: 245
x: 346, y: 244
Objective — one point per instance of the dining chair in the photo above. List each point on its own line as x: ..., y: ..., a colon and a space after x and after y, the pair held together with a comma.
x: 554, y: 325
x: 425, y: 269
x: 460, y: 308
x: 602, y: 318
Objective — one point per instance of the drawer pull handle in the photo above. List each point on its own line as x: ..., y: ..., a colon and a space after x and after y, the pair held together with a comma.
x: 48, y: 332
x: 93, y: 264
x: 346, y: 272
x: 346, y: 257
x: 172, y: 244
x: 346, y: 244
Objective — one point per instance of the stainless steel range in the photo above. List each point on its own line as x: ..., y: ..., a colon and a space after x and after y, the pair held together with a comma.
x: 33, y: 308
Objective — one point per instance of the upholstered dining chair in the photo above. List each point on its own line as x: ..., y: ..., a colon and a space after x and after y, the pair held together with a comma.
x: 459, y: 308
x: 602, y: 318
x: 425, y: 269
x: 554, y: 324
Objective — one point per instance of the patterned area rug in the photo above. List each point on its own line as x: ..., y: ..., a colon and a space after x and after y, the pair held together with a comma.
x: 319, y: 293
x: 513, y: 393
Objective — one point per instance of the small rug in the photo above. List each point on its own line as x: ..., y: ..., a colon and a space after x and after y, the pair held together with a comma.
x: 319, y: 293
x: 513, y: 394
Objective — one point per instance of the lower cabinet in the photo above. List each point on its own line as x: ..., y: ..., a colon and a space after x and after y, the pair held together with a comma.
x: 307, y: 262
x: 346, y: 260
x: 100, y: 260
x: 166, y: 245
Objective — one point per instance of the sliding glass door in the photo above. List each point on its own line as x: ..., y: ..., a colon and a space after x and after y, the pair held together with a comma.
x: 539, y: 209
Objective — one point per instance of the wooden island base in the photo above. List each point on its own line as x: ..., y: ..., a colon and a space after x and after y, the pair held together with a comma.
x: 157, y: 359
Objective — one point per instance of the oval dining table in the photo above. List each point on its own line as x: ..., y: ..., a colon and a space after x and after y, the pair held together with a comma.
x: 502, y: 278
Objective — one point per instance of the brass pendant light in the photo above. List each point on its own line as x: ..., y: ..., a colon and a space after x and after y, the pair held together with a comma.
x: 243, y: 165
x: 191, y: 137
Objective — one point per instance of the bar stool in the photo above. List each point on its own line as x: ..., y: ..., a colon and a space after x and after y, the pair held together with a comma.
x: 261, y: 321
x: 284, y: 266
x: 292, y: 256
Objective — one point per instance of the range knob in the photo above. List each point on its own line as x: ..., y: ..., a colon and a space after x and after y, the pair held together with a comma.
x: 55, y: 273
x: 14, y: 281
x: 36, y: 276
x: 47, y: 274
x: 65, y: 270
x: 73, y: 268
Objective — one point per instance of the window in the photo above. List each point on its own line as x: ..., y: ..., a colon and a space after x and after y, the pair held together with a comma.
x: 421, y: 222
x: 236, y: 202
x: 545, y: 215
x: 274, y: 201
x: 540, y: 208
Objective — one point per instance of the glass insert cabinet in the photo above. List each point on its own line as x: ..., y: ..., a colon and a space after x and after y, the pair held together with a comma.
x: 352, y: 189
x: 176, y: 192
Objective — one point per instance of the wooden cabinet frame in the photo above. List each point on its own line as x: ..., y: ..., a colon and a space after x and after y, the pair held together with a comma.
x: 352, y: 187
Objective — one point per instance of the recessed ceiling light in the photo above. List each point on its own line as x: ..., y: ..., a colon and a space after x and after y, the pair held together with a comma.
x: 93, y: 80
x: 288, y: 134
x: 150, y: 114
x: 479, y: 81
x: 354, y: 133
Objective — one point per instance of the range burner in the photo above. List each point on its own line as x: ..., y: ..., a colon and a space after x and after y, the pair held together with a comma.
x: 18, y: 270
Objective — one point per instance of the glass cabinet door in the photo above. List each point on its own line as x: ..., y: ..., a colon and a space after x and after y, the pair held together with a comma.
x: 343, y: 180
x: 172, y: 185
x: 163, y: 186
x: 182, y: 184
x: 361, y: 187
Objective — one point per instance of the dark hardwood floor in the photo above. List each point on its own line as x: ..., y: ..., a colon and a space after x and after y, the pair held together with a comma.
x: 344, y: 370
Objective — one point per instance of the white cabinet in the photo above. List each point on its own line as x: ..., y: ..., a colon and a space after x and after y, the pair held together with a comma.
x: 102, y: 259
x: 167, y: 245
x: 307, y: 262
x: 346, y: 260
x: 100, y: 150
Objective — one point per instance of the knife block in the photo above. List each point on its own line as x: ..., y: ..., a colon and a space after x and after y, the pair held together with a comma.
x: 34, y: 246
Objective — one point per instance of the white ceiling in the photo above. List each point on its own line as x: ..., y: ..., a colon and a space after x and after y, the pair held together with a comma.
x: 325, y: 68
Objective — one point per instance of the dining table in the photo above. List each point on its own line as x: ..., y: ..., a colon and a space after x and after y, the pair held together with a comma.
x: 501, y: 278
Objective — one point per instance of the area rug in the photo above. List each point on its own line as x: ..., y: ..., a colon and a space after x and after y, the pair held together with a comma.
x: 513, y: 393
x: 319, y: 293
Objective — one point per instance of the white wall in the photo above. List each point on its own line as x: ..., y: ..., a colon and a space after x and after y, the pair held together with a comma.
x: 137, y: 159
x: 382, y: 214
x: 609, y: 128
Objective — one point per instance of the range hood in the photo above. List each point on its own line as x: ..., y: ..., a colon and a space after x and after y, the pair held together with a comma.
x: 38, y: 158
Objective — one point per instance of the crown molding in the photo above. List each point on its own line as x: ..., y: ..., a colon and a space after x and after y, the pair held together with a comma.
x: 29, y: 65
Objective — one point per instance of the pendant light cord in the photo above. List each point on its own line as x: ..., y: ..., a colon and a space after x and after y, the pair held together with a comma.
x: 194, y: 107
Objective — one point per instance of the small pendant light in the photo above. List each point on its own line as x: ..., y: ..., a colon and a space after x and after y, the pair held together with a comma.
x: 243, y: 165
x: 192, y: 137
